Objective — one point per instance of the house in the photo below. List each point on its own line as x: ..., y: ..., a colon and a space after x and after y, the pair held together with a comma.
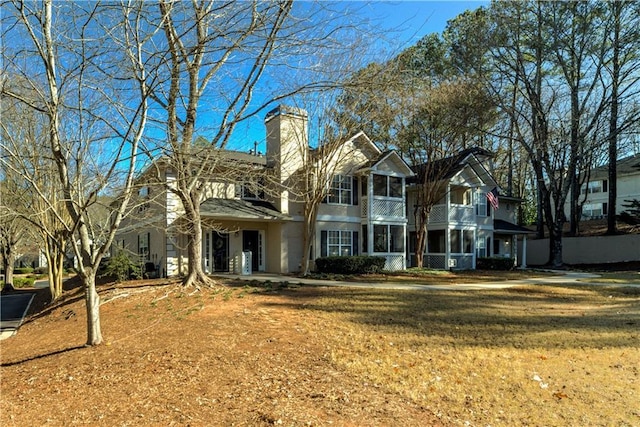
x: 463, y: 225
x: 252, y: 205
x: 364, y: 212
x: 595, y: 192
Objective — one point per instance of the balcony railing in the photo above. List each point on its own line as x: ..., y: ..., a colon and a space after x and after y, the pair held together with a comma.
x: 457, y: 213
x: 383, y: 208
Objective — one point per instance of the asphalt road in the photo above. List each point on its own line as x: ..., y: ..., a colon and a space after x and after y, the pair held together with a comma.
x: 13, y: 308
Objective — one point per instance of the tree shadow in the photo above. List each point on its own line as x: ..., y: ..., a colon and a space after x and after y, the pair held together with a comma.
x: 41, y: 356
x: 531, y: 317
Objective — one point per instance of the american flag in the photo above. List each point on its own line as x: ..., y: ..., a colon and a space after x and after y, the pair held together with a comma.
x: 493, y: 198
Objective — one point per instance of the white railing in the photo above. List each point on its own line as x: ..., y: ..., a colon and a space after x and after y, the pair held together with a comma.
x: 457, y: 213
x: 382, y: 208
x: 394, y: 262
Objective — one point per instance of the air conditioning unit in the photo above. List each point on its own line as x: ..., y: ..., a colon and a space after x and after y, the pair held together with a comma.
x: 453, y: 262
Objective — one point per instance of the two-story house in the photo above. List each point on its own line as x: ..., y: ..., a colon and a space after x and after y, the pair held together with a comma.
x: 252, y: 203
x: 463, y: 225
x: 595, y: 192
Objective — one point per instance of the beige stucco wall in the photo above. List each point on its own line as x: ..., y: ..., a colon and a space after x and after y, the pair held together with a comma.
x: 588, y: 250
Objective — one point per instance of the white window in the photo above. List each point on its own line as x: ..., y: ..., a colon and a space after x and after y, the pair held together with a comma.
x: 339, y: 243
x: 594, y: 210
x: 387, y: 186
x: 388, y: 238
x: 341, y: 190
x: 143, y: 246
x: 481, y: 204
x: 481, y: 248
x: 595, y: 187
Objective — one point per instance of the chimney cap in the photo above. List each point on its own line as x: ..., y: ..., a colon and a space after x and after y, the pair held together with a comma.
x: 286, y: 110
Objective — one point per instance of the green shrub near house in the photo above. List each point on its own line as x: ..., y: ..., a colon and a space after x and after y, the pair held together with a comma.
x: 23, y: 270
x: 350, y: 264
x: 495, y: 263
x: 121, y: 267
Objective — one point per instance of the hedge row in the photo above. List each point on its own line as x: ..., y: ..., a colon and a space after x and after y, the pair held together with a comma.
x: 350, y: 264
x: 496, y: 263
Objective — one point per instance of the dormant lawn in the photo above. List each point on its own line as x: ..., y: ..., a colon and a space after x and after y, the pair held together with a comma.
x: 282, y: 354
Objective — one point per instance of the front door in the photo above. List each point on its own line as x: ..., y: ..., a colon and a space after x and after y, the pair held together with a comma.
x: 250, y: 242
x: 220, y: 251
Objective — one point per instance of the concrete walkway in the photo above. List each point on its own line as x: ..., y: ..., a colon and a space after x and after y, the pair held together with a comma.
x: 568, y: 277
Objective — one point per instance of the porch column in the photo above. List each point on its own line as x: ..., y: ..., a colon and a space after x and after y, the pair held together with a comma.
x: 524, y: 252
x: 514, y: 243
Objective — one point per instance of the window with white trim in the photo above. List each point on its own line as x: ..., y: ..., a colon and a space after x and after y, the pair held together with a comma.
x: 387, y: 186
x: 594, y: 187
x: 338, y: 243
x: 481, y: 248
x: 341, y: 190
x: 388, y: 238
x: 482, y: 208
x: 143, y: 246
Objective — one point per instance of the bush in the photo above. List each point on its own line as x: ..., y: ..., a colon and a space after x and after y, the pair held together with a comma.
x: 41, y: 270
x: 350, y: 264
x: 497, y: 263
x: 121, y: 267
x: 23, y: 270
x: 21, y: 282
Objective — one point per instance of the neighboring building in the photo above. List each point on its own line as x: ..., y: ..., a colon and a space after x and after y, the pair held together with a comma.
x: 596, y: 205
x: 365, y: 213
x: 463, y: 225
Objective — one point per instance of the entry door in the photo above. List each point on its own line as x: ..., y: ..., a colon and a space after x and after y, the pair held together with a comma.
x: 250, y: 242
x: 220, y: 251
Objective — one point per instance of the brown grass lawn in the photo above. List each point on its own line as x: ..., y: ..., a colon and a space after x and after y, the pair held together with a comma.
x: 537, y: 356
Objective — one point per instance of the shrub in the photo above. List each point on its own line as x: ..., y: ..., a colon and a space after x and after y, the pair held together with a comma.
x: 121, y: 267
x: 23, y: 270
x: 41, y: 270
x: 350, y: 264
x: 495, y: 263
x: 21, y: 282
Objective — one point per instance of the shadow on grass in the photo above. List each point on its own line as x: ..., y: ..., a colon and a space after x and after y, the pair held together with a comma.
x: 527, y: 317
x: 41, y: 356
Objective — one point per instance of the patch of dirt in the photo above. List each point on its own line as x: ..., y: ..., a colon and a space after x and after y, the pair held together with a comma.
x: 215, y: 357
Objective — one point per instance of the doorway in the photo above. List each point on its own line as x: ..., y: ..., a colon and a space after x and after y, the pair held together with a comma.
x: 251, y: 243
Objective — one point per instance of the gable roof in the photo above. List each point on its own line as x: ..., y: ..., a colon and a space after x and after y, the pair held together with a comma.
x: 626, y: 166
x: 448, y: 167
x: 384, y: 156
x: 506, y: 227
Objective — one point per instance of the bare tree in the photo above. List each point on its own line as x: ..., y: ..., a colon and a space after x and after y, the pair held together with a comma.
x: 92, y: 133
x: 36, y: 193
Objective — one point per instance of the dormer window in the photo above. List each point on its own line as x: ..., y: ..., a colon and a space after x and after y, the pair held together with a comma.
x: 250, y: 190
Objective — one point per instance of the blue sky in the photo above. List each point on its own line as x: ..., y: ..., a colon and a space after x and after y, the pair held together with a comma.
x: 403, y: 23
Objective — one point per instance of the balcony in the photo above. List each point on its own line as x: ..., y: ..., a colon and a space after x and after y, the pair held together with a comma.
x: 383, y: 208
x: 457, y: 214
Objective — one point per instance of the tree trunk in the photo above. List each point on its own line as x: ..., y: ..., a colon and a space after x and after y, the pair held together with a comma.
x: 195, y: 274
x: 613, y: 123
x: 9, y: 260
x: 555, y: 244
x: 92, y: 299
x: 55, y: 268
x: 307, y: 238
